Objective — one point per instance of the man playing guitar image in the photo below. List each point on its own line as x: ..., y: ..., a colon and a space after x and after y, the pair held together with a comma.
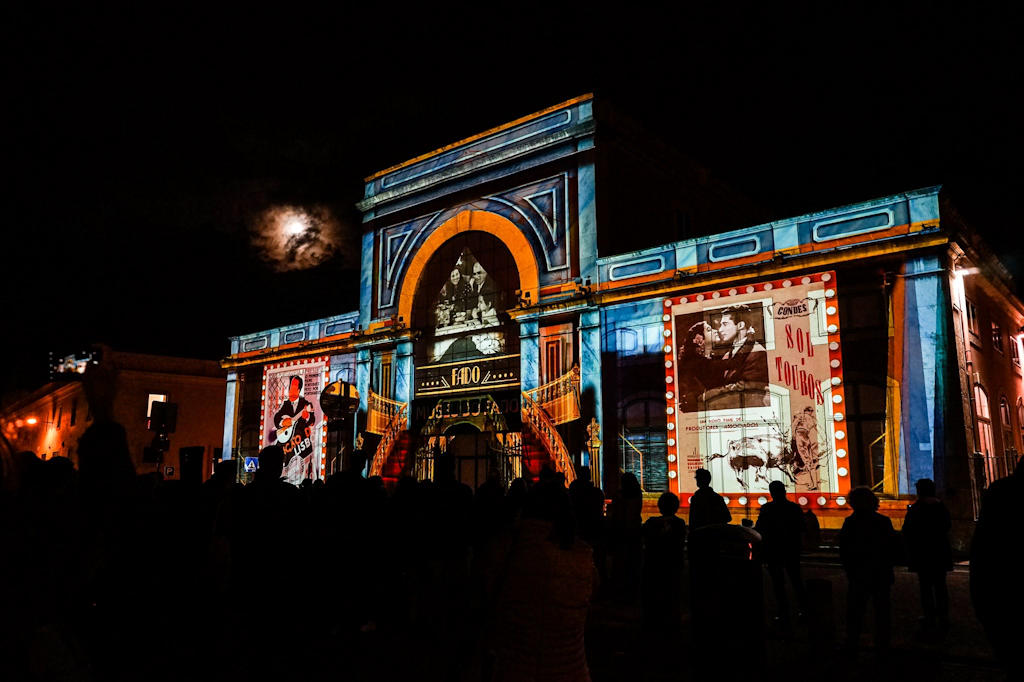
x: 294, y: 421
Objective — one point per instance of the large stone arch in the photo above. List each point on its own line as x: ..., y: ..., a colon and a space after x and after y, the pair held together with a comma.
x: 482, y: 221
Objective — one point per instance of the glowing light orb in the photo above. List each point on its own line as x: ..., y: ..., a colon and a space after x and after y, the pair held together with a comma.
x: 290, y: 237
x: 294, y: 226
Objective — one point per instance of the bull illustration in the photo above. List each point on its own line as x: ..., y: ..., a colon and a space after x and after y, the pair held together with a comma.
x: 759, y: 453
x: 796, y: 453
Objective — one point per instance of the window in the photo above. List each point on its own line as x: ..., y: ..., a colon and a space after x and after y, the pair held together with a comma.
x: 972, y: 316
x: 985, y: 437
x: 1007, y: 424
x: 154, y: 398
x: 1015, y: 350
x: 74, y: 411
x: 384, y: 385
x: 60, y: 415
x: 1020, y: 415
x: 557, y: 351
x: 553, y: 359
x: 997, y: 337
x: 642, y: 442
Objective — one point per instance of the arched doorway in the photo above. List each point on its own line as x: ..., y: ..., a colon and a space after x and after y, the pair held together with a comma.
x: 468, y: 447
x: 466, y: 352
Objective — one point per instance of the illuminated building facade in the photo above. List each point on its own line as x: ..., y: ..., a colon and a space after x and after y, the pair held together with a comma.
x: 108, y: 384
x: 560, y: 291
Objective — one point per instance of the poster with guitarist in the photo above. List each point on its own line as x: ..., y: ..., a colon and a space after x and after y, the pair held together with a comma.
x: 292, y: 418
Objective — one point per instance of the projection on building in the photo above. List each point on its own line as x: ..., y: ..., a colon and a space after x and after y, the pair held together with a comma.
x: 291, y: 416
x: 754, y: 386
x: 469, y: 345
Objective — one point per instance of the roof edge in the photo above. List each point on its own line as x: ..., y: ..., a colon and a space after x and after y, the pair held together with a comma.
x: 473, y: 138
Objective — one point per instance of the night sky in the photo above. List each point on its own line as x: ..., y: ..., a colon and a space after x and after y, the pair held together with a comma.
x: 143, y: 144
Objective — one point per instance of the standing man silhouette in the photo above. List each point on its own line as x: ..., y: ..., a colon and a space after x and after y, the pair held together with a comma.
x: 780, y: 524
x: 707, y: 507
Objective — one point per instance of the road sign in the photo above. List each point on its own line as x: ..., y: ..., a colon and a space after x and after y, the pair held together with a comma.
x: 250, y: 464
x: 168, y: 472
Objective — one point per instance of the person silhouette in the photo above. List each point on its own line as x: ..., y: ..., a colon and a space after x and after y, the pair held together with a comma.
x: 664, y: 540
x: 926, y: 535
x: 588, y: 506
x: 625, y: 548
x: 540, y: 585
x: 866, y: 549
x: 995, y: 561
x: 780, y: 524
x: 707, y: 507
x: 811, y: 531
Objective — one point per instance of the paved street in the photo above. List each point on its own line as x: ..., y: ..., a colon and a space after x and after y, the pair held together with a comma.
x: 618, y: 650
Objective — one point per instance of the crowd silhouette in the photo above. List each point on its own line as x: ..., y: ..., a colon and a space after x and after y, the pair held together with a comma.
x: 118, y: 576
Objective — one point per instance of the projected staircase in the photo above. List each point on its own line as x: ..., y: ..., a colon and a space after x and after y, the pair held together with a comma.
x: 388, y: 418
x: 544, y: 407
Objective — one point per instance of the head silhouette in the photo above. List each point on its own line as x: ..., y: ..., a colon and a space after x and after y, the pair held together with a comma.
x: 226, y: 471
x: 863, y: 501
x: 104, y: 461
x: 630, y: 486
x: 668, y: 504
x: 357, y: 462
x: 549, y: 501
x: 925, y: 488
x: 444, y: 468
x: 703, y: 478
x: 271, y: 461
x: 777, y: 489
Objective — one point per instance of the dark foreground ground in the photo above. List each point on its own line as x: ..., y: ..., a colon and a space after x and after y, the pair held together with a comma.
x: 440, y: 647
x: 618, y: 650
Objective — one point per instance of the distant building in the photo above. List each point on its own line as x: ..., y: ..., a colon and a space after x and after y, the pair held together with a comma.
x: 563, y: 291
x: 104, y: 383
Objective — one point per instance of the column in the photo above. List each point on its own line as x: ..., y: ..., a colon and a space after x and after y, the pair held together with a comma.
x: 230, y: 414
x: 585, y: 192
x: 926, y: 369
x: 404, y: 373
x: 363, y: 386
x: 529, y: 354
x: 590, y: 380
x: 366, y: 281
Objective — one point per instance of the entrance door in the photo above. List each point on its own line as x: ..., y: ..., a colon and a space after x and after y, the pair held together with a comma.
x: 469, y: 448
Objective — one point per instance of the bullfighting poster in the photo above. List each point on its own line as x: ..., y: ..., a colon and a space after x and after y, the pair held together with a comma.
x: 754, y: 387
x: 292, y: 418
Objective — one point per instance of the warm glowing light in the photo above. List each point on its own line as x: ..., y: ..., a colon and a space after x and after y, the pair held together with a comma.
x: 298, y: 237
x: 31, y: 421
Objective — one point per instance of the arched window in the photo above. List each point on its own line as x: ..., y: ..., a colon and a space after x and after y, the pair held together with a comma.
x: 986, y: 445
x: 1020, y: 415
x: 641, y: 439
x: 1006, y: 423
